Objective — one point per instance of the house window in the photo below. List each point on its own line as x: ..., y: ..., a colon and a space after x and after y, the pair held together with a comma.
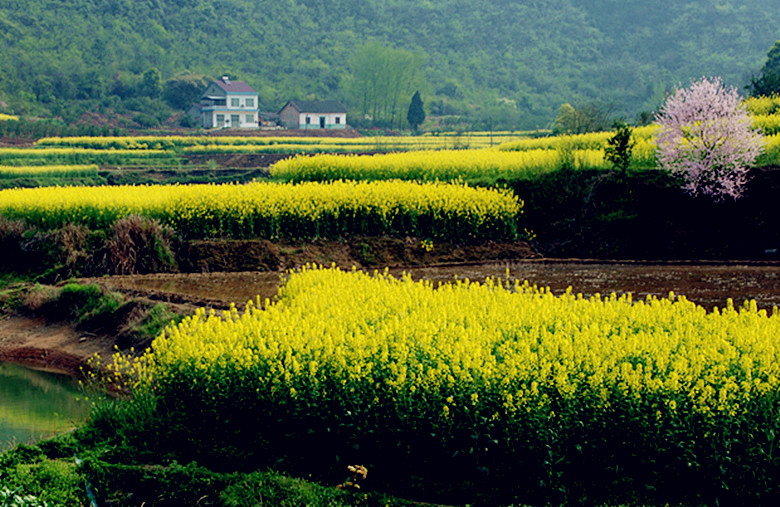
x: 250, y: 102
x: 308, y: 120
x: 234, y: 102
x: 234, y: 120
x: 250, y: 118
x: 338, y: 120
x: 220, y: 120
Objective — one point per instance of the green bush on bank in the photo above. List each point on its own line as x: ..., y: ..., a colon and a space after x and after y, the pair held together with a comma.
x: 71, y: 470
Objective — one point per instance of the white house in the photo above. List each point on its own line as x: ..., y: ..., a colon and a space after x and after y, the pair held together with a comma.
x: 227, y: 103
x: 320, y: 114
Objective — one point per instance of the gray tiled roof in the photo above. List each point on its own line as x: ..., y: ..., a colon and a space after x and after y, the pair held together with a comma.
x: 234, y: 86
x: 317, y: 106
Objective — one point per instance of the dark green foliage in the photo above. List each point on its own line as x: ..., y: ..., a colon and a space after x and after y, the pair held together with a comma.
x: 171, y: 485
x: 151, y: 84
x: 48, y: 471
x: 51, y: 128
x: 152, y: 322
x: 73, y: 469
x: 772, y: 65
x: 522, y: 58
x: 768, y: 82
x: 764, y: 85
x: 596, y: 214
x: 416, y: 114
x: 183, y: 91
x: 619, y: 148
x: 146, y: 120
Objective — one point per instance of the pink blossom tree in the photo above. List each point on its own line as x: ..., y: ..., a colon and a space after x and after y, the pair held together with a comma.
x: 706, y: 136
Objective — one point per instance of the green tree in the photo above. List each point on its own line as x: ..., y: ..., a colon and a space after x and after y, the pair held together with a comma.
x: 772, y: 65
x: 768, y: 82
x: 416, y: 114
x: 151, y: 84
x: 183, y: 91
x: 619, y: 148
x: 566, y: 121
x: 381, y: 77
x: 592, y: 117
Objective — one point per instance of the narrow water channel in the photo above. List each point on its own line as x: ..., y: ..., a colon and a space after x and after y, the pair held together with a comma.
x: 36, y: 404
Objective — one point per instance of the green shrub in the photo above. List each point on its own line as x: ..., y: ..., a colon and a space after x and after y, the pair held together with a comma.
x: 47, y: 482
x: 89, y: 306
x: 14, y: 498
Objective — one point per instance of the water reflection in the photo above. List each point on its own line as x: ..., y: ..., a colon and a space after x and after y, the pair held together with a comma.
x: 36, y: 404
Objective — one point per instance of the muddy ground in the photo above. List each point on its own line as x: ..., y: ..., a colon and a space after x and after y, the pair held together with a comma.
x: 51, y: 346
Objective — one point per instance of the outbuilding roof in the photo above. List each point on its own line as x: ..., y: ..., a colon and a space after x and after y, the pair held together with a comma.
x: 317, y: 106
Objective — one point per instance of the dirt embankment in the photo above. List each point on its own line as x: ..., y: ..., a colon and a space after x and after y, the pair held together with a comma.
x: 363, y: 252
x: 58, y: 347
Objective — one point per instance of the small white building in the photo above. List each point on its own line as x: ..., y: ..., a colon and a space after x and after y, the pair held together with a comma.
x: 227, y: 103
x: 319, y: 114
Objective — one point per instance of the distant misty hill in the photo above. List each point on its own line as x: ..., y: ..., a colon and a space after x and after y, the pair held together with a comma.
x: 498, y: 61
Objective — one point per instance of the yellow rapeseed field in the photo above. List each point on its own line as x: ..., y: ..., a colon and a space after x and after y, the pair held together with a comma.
x: 469, y: 349
x: 763, y: 105
x: 272, y: 210
x: 444, y: 165
x: 46, y: 171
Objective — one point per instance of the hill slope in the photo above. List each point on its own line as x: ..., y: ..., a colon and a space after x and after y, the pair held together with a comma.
x: 514, y: 62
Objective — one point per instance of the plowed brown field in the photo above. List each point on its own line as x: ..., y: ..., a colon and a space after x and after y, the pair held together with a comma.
x: 707, y: 284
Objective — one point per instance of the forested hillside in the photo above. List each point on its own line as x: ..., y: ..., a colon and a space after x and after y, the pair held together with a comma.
x: 506, y: 62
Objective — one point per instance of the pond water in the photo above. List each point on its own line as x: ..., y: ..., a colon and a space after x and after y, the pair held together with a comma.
x: 36, y: 404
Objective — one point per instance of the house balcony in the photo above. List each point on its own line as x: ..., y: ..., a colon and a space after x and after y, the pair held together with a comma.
x: 207, y: 102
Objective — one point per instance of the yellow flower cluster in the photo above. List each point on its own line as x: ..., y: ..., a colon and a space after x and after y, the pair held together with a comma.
x: 8, y: 117
x: 485, y: 165
x: 589, y: 141
x: 47, y: 171
x: 270, y: 210
x: 499, y: 349
x: 447, y: 165
x: 763, y: 105
x: 76, y: 154
x: 772, y: 146
x: 768, y: 123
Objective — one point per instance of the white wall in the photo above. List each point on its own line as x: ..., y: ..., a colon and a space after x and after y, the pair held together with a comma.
x: 330, y: 120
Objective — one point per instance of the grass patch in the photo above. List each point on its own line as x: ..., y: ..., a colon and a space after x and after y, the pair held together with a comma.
x: 154, y: 321
x: 72, y: 470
